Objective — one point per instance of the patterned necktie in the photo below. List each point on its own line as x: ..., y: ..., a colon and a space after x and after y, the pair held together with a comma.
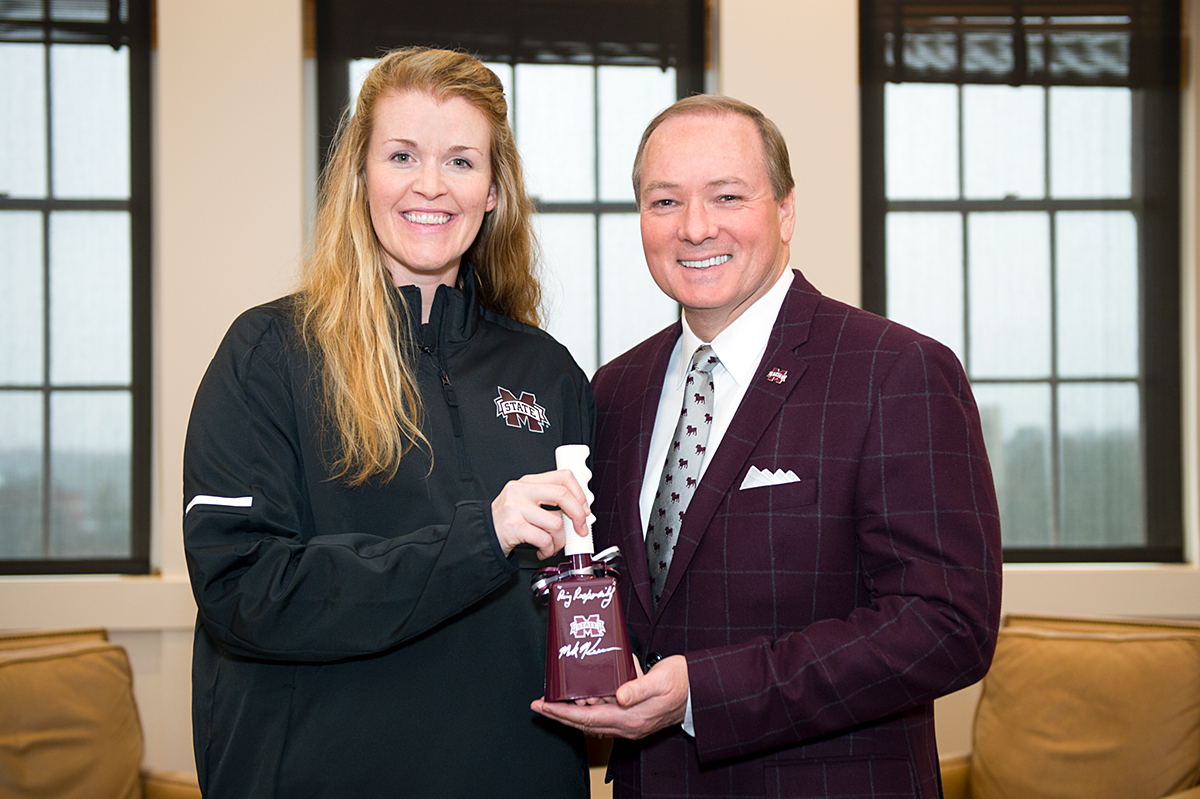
x: 681, y: 472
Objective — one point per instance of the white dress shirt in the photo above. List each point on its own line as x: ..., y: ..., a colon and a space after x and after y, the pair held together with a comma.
x: 740, y: 347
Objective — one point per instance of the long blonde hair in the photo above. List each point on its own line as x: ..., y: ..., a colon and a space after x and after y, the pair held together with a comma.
x: 348, y: 316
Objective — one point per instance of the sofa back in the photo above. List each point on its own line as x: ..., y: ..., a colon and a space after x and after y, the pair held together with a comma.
x: 69, y: 724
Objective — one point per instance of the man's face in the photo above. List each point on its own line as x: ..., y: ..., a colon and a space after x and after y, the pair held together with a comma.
x: 714, y: 236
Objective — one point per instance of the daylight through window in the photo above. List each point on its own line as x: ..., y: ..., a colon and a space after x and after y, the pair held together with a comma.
x: 1022, y: 208
x: 74, y: 287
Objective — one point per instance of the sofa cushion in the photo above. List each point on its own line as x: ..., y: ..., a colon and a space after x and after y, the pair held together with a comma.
x: 1088, y: 714
x: 170, y: 785
x: 68, y: 722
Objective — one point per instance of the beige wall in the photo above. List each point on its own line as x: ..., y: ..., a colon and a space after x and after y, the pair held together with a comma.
x: 797, y: 61
x: 230, y: 188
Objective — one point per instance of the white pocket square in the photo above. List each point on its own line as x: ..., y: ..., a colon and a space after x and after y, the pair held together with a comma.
x: 757, y: 478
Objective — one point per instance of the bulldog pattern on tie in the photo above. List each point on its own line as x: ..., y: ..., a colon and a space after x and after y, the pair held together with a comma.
x: 681, y: 471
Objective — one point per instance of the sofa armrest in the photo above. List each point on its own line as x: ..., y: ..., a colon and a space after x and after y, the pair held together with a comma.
x: 955, y: 771
x: 157, y: 784
x: 1190, y: 793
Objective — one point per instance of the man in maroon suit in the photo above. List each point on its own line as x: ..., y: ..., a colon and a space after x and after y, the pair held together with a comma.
x: 837, y: 565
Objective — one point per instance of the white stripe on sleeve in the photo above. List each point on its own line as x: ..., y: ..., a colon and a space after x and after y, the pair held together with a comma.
x: 229, y: 502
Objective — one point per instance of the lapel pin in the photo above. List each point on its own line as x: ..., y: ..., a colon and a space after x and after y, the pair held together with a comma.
x: 777, y: 375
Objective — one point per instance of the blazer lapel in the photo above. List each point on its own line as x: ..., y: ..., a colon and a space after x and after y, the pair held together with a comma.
x: 778, y: 374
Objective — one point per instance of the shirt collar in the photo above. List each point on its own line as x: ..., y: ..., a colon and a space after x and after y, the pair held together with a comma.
x: 739, y: 346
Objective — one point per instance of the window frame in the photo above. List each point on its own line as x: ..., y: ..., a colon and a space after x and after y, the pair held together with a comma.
x: 1155, y: 202
x: 136, y: 34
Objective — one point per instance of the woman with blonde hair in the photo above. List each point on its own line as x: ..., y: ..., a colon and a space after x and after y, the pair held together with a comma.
x: 368, y: 471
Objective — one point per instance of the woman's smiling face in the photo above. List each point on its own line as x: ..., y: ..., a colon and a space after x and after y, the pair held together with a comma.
x: 429, y: 183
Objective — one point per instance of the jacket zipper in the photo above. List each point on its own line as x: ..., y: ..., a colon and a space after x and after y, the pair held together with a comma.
x: 464, y: 465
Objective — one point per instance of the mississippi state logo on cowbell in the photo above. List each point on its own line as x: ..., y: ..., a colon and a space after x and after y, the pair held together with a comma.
x: 521, y: 410
x: 587, y: 626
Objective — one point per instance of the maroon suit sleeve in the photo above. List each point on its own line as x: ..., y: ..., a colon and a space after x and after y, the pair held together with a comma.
x: 923, y: 515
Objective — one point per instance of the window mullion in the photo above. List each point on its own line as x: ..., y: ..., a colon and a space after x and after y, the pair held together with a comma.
x: 597, y: 251
x: 966, y: 241
x: 47, y: 464
x: 1057, y: 522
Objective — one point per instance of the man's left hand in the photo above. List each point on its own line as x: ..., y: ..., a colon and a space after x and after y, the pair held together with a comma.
x: 645, y: 705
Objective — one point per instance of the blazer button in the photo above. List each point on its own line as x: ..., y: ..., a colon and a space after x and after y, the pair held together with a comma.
x: 651, y: 659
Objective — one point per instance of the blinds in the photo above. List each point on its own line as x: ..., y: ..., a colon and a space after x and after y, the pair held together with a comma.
x: 65, y: 21
x: 1069, y: 42
x: 664, y: 33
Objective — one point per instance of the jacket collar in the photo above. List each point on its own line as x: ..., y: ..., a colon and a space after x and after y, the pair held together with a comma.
x: 454, y: 315
x: 759, y: 408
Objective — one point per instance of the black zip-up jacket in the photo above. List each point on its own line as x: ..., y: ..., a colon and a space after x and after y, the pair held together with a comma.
x: 374, y: 641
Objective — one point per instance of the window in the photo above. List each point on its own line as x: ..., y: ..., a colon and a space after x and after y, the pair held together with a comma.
x: 1020, y: 204
x: 582, y: 80
x: 74, y: 286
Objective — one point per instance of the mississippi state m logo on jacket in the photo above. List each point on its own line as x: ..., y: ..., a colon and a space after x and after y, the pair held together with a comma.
x: 522, y: 410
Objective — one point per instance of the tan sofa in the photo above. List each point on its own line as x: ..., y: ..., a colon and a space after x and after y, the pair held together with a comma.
x: 69, y: 726
x: 1096, y: 708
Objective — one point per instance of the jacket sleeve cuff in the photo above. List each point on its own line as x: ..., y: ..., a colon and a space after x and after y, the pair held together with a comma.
x: 489, y: 529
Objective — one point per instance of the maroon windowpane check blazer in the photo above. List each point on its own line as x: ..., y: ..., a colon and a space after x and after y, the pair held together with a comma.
x: 820, y: 618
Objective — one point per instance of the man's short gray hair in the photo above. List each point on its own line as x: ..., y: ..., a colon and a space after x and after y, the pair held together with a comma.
x: 779, y: 166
